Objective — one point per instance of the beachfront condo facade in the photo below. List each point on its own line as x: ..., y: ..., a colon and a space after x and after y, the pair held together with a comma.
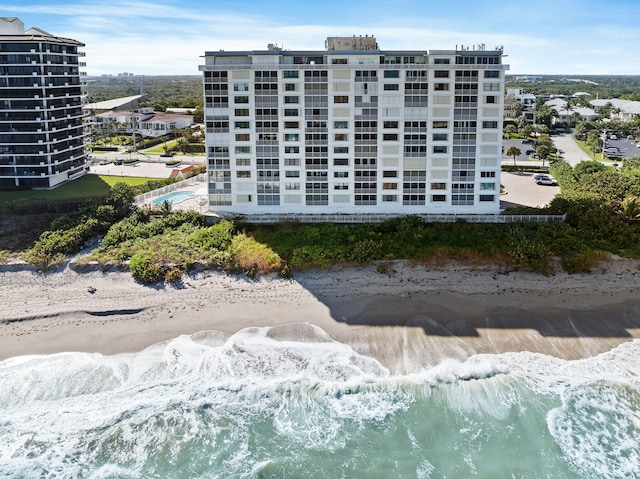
x: 41, y: 119
x: 353, y: 129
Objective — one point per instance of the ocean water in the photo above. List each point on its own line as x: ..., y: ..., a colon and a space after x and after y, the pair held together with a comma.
x: 269, y: 404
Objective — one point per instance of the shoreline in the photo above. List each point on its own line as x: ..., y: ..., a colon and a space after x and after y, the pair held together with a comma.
x: 409, y: 318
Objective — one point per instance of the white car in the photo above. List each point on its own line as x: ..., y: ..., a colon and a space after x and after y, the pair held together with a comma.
x: 545, y: 180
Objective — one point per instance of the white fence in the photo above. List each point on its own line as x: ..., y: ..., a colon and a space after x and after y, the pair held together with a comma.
x: 194, y: 180
x: 373, y: 218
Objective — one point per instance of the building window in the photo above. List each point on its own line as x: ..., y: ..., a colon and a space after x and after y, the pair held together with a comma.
x: 389, y: 198
x: 487, y: 186
x: 391, y: 87
x: 487, y: 197
x: 291, y: 99
x: 241, y: 99
x: 243, y: 174
x: 440, y: 124
x: 341, y: 186
x: 291, y: 137
x: 491, y: 99
x: 292, y: 149
x: 389, y: 186
x: 438, y: 198
x: 290, y: 74
x: 290, y: 112
x: 341, y: 149
x: 292, y: 174
x: 243, y: 137
x: 492, y: 74
x: 292, y: 162
x: 440, y: 149
x: 340, y: 124
x: 390, y: 124
x: 391, y: 74
x: 441, y: 61
x: 441, y: 87
x: 340, y: 162
x: 240, y: 87
x: 489, y: 124
x: 487, y: 174
x: 390, y: 137
x: 341, y: 99
x: 291, y: 124
x: 440, y: 137
x: 390, y: 174
x: 243, y: 162
x: 340, y: 137
x: 242, y: 112
x: 243, y: 149
x: 441, y: 74
x: 290, y: 87
x: 341, y: 174
x: 339, y: 61
x: 438, y: 186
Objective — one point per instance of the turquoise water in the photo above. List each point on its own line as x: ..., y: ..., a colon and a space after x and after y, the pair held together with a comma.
x: 260, y: 405
x: 175, y: 197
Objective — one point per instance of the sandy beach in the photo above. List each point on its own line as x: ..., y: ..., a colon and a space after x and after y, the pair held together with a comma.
x: 408, y: 317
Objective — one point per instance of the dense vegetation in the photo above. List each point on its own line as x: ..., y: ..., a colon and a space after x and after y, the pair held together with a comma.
x: 161, y: 244
x: 598, y: 86
x: 162, y: 92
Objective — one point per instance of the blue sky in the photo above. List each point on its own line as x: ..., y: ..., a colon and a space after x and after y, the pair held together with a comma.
x: 570, y: 37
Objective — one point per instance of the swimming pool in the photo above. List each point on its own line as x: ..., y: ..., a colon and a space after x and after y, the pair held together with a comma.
x: 175, y: 197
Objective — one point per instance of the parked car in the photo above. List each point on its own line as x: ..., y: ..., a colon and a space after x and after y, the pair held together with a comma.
x: 166, y: 155
x: 630, y: 137
x: 105, y: 162
x: 118, y: 162
x: 613, y: 137
x: 528, y: 140
x: 528, y: 152
x: 545, y: 180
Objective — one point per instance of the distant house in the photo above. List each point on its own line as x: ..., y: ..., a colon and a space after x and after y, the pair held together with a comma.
x: 146, y: 122
x: 625, y: 110
x: 570, y: 117
x: 160, y: 124
x: 181, y: 172
x: 117, y: 104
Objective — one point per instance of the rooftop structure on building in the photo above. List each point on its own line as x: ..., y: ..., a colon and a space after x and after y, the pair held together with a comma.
x: 353, y: 129
x: 43, y: 139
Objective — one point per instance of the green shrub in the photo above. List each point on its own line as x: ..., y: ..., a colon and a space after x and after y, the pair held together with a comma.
x: 253, y: 257
x: 173, y: 275
x: 582, y: 260
x: 145, y: 270
x: 365, y: 251
x: 216, y: 237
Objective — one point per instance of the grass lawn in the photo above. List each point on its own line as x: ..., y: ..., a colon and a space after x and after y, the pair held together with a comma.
x: 159, y: 149
x: 583, y: 146
x: 86, y: 186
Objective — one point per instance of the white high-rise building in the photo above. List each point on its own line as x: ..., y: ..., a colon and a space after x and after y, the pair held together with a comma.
x: 354, y: 130
x: 41, y: 119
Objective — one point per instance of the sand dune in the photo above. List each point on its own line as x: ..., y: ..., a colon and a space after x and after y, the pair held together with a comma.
x: 409, y: 318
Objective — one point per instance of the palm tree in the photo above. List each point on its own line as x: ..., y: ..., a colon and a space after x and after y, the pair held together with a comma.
x: 510, y: 129
x: 543, y: 152
x: 515, y: 152
x: 165, y: 208
x: 631, y: 207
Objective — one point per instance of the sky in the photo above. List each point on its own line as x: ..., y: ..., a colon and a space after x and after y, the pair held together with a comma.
x: 169, y: 37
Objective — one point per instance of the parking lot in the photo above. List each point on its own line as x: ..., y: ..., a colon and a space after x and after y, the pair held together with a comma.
x: 626, y: 147
x: 523, y: 191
